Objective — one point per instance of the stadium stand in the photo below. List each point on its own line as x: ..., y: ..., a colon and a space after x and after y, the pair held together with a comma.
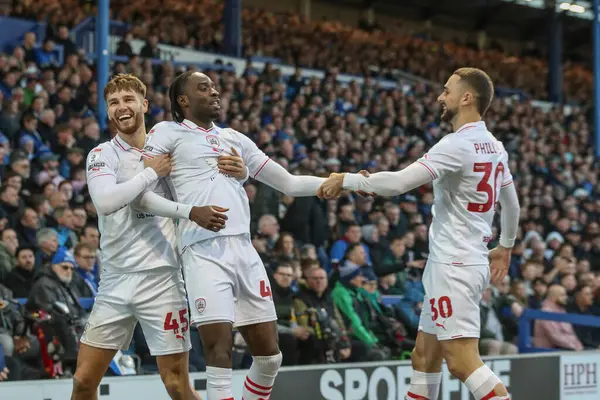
x: 315, y: 126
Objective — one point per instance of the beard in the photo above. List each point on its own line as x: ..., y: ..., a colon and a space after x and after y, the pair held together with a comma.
x: 130, y: 126
x: 448, y: 115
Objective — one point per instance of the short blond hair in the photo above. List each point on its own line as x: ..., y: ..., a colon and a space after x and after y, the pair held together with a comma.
x: 124, y: 82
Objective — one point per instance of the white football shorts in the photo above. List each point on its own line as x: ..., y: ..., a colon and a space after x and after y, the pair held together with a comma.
x: 155, y: 298
x: 226, y: 281
x: 452, y: 296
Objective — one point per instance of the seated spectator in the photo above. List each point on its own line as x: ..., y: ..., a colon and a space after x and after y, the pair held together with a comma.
x: 353, y: 305
x: 8, y: 250
x: 383, y: 321
x: 290, y: 335
x: 64, y: 228
x: 539, y: 293
x: 285, y: 248
x: 21, y: 278
x: 27, y: 227
x: 582, y: 304
x: 353, y: 235
x: 315, y: 310
x: 14, y: 338
x: 52, y: 286
x: 510, y: 306
x: 552, y: 334
x: 47, y: 243
x: 268, y: 229
x: 84, y: 279
x: 491, y: 340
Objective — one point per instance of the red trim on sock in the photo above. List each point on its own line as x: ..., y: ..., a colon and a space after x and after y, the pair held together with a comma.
x: 416, y: 396
x: 229, y: 398
x: 267, y: 388
x: 489, y: 396
x: 251, y: 390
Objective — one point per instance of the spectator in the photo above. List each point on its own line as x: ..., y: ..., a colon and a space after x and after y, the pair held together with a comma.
x: 315, y: 310
x: 352, y: 304
x: 539, y: 293
x: 491, y: 340
x: 551, y: 334
x: 27, y: 227
x: 21, y: 278
x: 582, y: 304
x: 8, y: 250
x: 53, y: 286
x: 84, y: 279
x: 352, y: 236
x: 291, y: 336
x: 9, y: 204
x: 47, y: 242
x: 285, y: 248
x: 64, y: 229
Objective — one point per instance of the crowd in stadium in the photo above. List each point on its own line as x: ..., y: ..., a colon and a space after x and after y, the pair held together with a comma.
x: 330, y: 261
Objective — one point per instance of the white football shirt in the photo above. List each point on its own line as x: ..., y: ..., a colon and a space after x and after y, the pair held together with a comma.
x: 468, y: 168
x: 130, y: 240
x: 195, y: 178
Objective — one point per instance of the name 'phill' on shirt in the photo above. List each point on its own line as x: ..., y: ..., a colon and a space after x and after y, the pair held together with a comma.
x: 485, y: 148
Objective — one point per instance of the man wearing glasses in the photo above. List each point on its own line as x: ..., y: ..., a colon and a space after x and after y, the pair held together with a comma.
x: 53, y: 286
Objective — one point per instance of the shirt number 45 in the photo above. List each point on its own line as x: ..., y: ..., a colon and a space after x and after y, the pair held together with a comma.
x: 172, y: 324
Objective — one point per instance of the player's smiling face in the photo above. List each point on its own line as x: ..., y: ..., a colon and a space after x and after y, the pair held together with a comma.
x: 126, y: 109
x: 450, y: 98
x: 203, y: 100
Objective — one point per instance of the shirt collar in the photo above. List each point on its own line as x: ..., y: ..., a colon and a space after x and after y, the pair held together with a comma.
x: 123, y: 145
x: 192, y: 126
x: 470, y: 125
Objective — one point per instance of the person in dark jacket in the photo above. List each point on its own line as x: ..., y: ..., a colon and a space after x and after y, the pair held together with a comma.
x: 27, y: 227
x: 84, y: 279
x: 582, y: 304
x: 53, y: 287
x: 47, y: 243
x: 20, y: 279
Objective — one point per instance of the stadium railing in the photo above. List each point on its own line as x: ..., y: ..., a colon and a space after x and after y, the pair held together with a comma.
x: 525, y: 333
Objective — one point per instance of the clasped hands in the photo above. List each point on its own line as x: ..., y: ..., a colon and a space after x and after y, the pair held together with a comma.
x: 334, y: 186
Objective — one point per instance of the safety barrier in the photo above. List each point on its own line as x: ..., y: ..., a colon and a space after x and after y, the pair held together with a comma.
x: 555, y: 376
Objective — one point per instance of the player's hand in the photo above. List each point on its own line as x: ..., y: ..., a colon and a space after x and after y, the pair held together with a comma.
x: 161, y: 164
x: 499, y: 261
x: 209, y: 217
x: 4, y: 374
x: 233, y: 165
x: 360, y: 192
x: 332, y: 187
x: 22, y: 344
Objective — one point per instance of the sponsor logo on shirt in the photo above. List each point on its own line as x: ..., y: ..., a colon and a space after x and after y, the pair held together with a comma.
x: 148, y: 148
x: 96, y: 166
x: 144, y: 215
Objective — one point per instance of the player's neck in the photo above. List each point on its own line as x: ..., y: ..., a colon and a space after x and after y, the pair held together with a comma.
x: 465, y: 118
x: 202, y: 124
x: 137, y: 139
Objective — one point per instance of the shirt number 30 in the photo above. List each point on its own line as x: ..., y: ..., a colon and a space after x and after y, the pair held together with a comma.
x: 487, y: 187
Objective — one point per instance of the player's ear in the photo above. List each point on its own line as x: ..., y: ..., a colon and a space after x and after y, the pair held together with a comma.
x: 467, y: 98
x: 145, y: 105
x: 182, y: 100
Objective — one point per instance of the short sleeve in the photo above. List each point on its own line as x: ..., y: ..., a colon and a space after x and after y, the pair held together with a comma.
x: 161, y: 139
x: 254, y: 158
x: 444, y: 157
x: 101, y: 161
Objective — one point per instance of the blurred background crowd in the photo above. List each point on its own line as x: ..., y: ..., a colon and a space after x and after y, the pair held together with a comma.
x: 332, y: 263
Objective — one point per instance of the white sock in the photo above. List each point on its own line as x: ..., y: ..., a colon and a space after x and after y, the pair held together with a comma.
x: 261, y: 376
x: 481, y: 383
x: 424, y: 386
x: 218, y: 383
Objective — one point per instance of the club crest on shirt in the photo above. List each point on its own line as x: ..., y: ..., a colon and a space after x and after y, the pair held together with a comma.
x: 213, y: 140
x: 212, y: 162
x: 200, y: 305
x: 94, y: 157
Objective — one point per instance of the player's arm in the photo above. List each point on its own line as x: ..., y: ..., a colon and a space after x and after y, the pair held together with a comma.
x: 108, y: 195
x: 263, y: 169
x: 509, y: 215
x: 443, y: 158
x: 153, y: 203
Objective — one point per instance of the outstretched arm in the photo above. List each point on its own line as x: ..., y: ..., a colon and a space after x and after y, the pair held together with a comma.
x: 389, y: 183
x: 277, y: 177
